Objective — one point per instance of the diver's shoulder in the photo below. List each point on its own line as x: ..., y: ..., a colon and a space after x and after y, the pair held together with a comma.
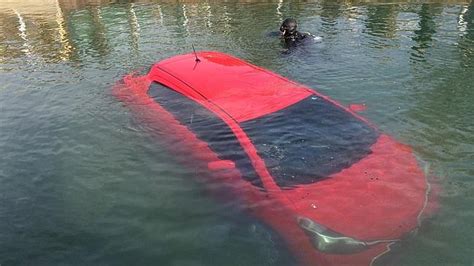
x: 307, y: 34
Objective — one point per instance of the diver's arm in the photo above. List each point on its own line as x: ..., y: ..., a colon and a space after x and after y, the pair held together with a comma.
x: 308, y: 34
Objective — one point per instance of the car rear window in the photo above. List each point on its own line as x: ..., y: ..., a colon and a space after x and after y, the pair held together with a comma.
x: 207, y: 127
x: 309, y: 140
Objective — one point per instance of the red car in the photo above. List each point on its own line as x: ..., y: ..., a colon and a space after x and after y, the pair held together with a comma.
x: 334, y: 187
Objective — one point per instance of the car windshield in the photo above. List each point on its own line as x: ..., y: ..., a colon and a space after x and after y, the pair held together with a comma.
x: 309, y: 140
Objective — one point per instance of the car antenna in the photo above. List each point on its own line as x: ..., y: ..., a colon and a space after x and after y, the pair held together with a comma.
x: 195, y: 54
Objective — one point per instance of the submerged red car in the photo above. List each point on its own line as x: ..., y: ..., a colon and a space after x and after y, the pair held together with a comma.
x: 337, y: 190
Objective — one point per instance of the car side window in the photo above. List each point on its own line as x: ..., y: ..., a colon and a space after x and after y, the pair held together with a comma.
x: 206, y: 126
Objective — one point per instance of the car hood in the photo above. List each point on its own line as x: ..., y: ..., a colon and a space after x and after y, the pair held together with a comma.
x: 380, y: 197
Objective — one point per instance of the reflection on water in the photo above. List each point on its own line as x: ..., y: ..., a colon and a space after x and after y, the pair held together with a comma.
x: 80, y: 182
x: 54, y: 24
x: 426, y: 30
x: 381, y: 20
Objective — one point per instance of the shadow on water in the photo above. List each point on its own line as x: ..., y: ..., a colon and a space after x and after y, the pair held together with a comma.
x: 330, y: 13
x: 427, y: 28
x: 381, y: 20
x: 381, y: 23
x: 98, y: 39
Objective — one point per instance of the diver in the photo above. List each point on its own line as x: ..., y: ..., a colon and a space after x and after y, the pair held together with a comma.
x: 290, y: 34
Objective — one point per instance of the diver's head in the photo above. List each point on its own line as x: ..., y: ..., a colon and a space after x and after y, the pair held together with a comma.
x: 288, y: 27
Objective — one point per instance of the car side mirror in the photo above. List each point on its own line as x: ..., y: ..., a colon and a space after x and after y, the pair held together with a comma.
x: 357, y: 107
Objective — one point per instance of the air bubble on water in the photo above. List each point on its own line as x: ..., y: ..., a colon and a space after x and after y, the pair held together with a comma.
x: 253, y: 228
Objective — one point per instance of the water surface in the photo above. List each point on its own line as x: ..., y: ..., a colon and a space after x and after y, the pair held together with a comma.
x: 81, y: 182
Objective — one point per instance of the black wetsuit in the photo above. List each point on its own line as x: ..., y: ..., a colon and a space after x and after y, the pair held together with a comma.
x: 295, y: 38
x: 290, y: 34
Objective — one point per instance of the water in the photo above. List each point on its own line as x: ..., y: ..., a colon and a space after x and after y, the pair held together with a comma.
x: 81, y: 182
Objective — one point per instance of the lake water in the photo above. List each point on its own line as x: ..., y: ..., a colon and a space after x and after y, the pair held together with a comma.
x: 81, y: 182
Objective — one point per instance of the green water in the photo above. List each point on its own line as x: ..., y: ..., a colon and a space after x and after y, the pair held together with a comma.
x: 82, y: 183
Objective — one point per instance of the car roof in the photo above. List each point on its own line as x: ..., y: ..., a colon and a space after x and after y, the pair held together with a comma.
x: 242, y: 90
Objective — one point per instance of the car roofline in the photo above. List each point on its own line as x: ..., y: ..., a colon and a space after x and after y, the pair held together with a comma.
x: 186, y: 56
